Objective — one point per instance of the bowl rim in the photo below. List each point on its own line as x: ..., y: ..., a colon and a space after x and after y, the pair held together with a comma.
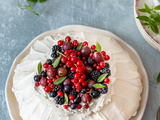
x: 145, y: 82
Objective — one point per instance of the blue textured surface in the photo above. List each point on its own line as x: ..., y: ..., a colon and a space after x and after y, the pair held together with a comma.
x: 18, y: 27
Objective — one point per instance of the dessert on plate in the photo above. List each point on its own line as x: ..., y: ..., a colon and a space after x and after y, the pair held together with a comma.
x: 77, y: 75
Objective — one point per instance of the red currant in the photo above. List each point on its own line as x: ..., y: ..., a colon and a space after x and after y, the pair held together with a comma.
x: 49, y: 81
x: 73, y: 87
x: 66, y: 52
x: 72, y: 54
x: 85, y: 43
x: 60, y: 93
x: 102, y: 64
x: 83, y: 67
x: 63, y: 59
x: 68, y: 38
x: 98, y: 68
x: 79, y: 70
x: 77, y: 85
x: 103, y: 53
x: 106, y: 80
x: 57, y: 76
x: 79, y: 106
x: 69, y: 58
x: 76, y: 75
x: 75, y: 43
x: 46, y: 65
x: 86, y: 106
x: 83, y: 77
x: 74, y: 80
x: 65, y: 106
x: 107, y: 57
x: 83, y: 58
x: 60, y: 43
x: 78, y: 53
x: 79, y: 63
x: 71, y: 97
x: 37, y: 84
x: 84, y: 84
x: 80, y: 80
x: 73, y: 69
x: 93, y: 47
x: 94, y: 65
x: 53, y: 79
x: 74, y: 59
x: 91, y: 55
x: 48, y: 89
x: 52, y: 86
x: 69, y: 64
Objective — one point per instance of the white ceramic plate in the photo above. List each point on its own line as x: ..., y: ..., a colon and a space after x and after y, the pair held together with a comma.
x: 147, y: 33
x: 11, y: 100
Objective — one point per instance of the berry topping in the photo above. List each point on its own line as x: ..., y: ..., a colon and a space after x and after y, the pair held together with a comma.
x: 86, y: 106
x: 60, y: 43
x: 71, y: 97
x: 68, y: 38
x: 43, y: 81
x: 86, y: 98
x: 85, y: 43
x: 93, y: 47
x: 48, y: 89
x: 62, y: 71
x: 53, y: 94
x: 95, y: 74
x: 98, y: 57
x: 73, y: 106
x: 106, y: 80
x: 85, y: 51
x: 65, y: 106
x: 95, y: 94
x: 107, y: 57
x: 79, y: 106
x: 37, y: 78
x: 60, y: 93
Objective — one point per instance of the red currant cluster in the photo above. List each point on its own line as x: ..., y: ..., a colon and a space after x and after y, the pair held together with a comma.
x: 77, y: 71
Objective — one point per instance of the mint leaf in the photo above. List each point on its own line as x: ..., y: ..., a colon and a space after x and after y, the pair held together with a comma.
x: 155, y: 15
x: 142, y: 10
x: 101, y: 77
x: 144, y: 18
x: 157, y: 23
x: 39, y: 67
x: 59, y: 80
x: 79, y: 46
x: 147, y: 8
x: 157, y: 7
x: 65, y: 98
x: 30, y: 9
x: 42, y: 1
x: 98, y: 47
x: 145, y: 24
x: 56, y: 62
x: 154, y: 29
x: 98, y: 85
x: 158, y: 78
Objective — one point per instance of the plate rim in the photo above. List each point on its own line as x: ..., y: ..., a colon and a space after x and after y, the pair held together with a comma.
x: 61, y: 29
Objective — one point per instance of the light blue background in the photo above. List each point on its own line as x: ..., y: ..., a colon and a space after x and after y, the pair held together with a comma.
x: 18, y: 27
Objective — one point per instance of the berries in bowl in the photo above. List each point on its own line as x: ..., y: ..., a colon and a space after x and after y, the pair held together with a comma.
x: 76, y: 75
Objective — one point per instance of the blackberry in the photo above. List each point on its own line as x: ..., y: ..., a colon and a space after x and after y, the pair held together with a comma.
x: 55, y: 55
x: 106, y: 70
x: 94, y: 75
x: 70, y: 75
x: 73, y: 92
x: 60, y: 100
x: 56, y: 48
x: 104, y: 90
x: 90, y: 61
x: 43, y: 74
x: 106, y: 65
x: 58, y: 87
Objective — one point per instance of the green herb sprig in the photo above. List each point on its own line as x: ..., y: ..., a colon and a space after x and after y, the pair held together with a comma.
x: 29, y: 6
x: 153, y: 20
x: 158, y: 78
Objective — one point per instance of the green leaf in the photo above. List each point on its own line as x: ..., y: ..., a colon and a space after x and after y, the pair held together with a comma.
x: 154, y: 28
x: 79, y: 46
x: 65, y: 98
x: 30, y: 9
x: 155, y: 15
x: 56, y: 62
x: 144, y: 18
x: 59, y: 80
x: 33, y: 0
x: 147, y: 8
x: 145, y: 24
x: 39, y: 67
x: 157, y: 7
x: 142, y: 10
x: 98, y: 47
x: 157, y: 23
x: 158, y: 78
x: 42, y: 1
x: 101, y: 78
x: 98, y: 85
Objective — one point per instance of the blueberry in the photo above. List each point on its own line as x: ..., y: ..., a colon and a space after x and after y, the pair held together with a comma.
x: 95, y: 94
x: 43, y: 74
x: 52, y: 94
x: 49, y: 61
x: 67, y: 88
x: 37, y: 78
x: 73, y: 106
x: 77, y: 100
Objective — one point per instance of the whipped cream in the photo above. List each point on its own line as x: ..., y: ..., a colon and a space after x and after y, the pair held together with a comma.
x: 120, y: 103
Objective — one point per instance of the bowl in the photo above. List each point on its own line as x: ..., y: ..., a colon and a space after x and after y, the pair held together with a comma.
x: 147, y: 33
x: 9, y: 95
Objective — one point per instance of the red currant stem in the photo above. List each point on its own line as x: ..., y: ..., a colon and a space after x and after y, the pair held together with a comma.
x: 61, y: 54
x: 75, y: 65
